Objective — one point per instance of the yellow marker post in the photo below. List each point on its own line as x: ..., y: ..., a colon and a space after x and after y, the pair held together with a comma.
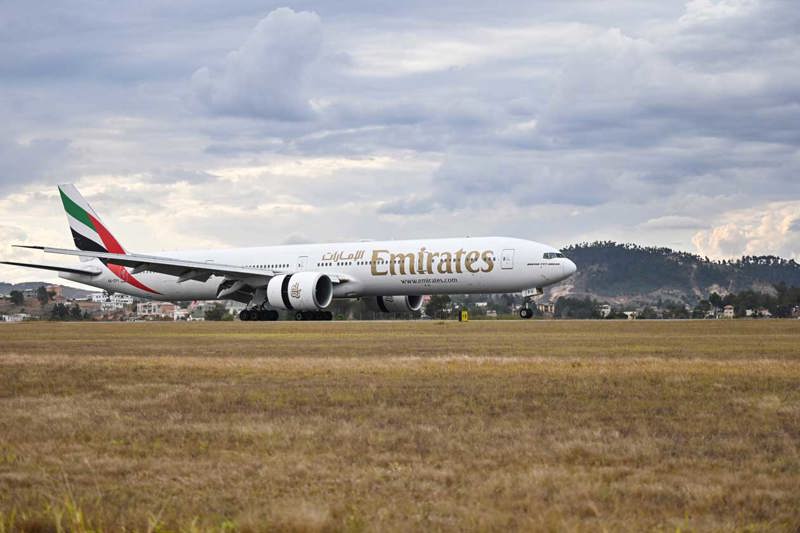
x: 464, y: 316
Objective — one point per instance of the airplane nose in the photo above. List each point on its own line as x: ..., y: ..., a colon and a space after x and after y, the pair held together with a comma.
x: 569, y: 268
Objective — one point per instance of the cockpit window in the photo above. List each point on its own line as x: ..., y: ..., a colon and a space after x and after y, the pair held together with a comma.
x: 553, y: 255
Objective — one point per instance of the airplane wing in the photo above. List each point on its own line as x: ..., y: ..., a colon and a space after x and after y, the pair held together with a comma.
x: 85, y: 271
x: 182, y: 269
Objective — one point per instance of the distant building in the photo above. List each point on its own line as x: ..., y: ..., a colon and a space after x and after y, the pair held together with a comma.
x: 491, y: 313
x: 17, y: 317
x: 180, y: 314
x: 727, y: 311
x: 56, y: 290
x: 631, y: 315
x: 546, y: 308
x: 605, y: 311
x: 233, y: 307
x: 112, y: 302
x: 156, y: 309
x: 89, y: 306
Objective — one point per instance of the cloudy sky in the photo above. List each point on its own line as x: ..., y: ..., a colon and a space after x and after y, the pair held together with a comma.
x: 206, y: 123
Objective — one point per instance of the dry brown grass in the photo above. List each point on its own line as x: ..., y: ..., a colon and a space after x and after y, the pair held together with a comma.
x: 397, y: 426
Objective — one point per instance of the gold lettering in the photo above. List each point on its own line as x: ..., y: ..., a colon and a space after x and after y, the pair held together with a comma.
x: 488, y: 258
x: 431, y: 255
x: 420, y: 259
x: 459, y: 254
x: 401, y: 260
x: 376, y: 257
x: 445, y: 263
x: 471, y: 259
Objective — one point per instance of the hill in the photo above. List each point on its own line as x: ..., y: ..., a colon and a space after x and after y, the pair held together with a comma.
x: 68, y: 292
x: 628, y: 273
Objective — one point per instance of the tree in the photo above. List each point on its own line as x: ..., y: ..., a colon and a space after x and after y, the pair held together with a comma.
x: 216, y: 312
x: 59, y: 312
x: 568, y: 307
x: 437, y: 305
x: 648, y: 313
x: 43, y: 296
x: 715, y: 299
x: 701, y: 309
x: 75, y: 313
x: 17, y: 298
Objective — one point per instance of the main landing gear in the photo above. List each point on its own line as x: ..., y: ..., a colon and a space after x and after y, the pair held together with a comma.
x: 247, y: 315
x: 525, y: 312
x: 313, y: 315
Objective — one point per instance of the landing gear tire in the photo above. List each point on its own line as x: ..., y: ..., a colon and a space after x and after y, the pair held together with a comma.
x: 313, y: 315
x: 525, y: 313
x: 261, y: 315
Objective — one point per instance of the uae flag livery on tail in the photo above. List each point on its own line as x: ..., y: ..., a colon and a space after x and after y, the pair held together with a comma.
x: 90, y: 234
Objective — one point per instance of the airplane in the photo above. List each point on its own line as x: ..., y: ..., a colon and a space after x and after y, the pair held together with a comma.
x: 303, y: 279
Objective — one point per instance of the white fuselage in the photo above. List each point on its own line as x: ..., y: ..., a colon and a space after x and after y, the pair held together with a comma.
x: 374, y: 268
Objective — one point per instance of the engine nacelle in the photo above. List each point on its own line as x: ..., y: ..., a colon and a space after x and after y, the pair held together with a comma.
x: 399, y: 304
x: 303, y: 291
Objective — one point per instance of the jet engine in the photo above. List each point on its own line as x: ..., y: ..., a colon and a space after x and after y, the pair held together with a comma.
x: 399, y: 304
x: 304, y: 291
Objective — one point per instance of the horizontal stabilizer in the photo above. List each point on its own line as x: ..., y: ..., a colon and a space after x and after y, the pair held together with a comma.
x: 84, y: 271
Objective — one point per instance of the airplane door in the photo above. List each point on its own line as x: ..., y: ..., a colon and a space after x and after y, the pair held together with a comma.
x: 507, y: 259
x: 302, y: 261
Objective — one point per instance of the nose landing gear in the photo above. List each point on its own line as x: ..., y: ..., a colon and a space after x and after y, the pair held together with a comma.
x: 526, y: 311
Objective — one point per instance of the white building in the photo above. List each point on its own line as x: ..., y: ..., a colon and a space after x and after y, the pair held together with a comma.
x: 727, y: 311
x: 18, y: 317
x: 233, y: 307
x: 112, y: 302
x: 156, y: 309
x: 546, y: 308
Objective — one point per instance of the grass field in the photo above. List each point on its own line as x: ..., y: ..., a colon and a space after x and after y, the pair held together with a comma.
x: 400, y: 426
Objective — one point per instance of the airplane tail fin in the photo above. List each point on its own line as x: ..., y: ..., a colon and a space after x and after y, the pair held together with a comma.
x: 88, y: 231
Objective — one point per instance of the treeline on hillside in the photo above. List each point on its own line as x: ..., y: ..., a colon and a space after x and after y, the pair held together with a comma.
x: 610, y: 268
x: 768, y: 260
x: 784, y: 303
x: 586, y: 308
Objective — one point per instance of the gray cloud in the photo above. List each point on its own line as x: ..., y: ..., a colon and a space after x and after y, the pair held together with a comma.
x: 265, y: 76
x: 670, y: 222
x: 22, y: 163
x: 553, y: 120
